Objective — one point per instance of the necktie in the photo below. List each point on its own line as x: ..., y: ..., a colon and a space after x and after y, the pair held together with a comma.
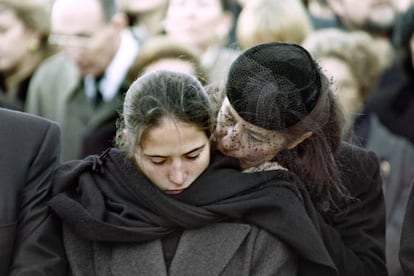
x: 92, y: 89
x: 98, y: 94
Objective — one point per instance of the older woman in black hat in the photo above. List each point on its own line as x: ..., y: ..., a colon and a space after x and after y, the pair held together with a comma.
x: 280, y: 108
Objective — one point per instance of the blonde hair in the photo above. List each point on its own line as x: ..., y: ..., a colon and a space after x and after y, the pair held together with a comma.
x: 357, y: 49
x: 263, y: 21
x: 33, y: 14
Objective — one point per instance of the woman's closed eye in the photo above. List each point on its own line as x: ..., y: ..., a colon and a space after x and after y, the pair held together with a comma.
x: 255, y: 138
x: 228, y: 117
x: 195, y: 153
x: 192, y: 156
x: 158, y: 160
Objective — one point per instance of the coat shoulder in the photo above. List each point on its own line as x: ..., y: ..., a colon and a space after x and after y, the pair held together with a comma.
x: 355, y: 160
x: 16, y: 124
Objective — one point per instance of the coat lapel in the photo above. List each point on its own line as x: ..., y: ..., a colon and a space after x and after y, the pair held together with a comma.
x: 105, y: 112
x: 207, y: 251
x: 204, y: 251
x: 68, y: 87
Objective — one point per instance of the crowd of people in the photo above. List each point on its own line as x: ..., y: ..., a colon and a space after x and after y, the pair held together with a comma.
x: 207, y: 137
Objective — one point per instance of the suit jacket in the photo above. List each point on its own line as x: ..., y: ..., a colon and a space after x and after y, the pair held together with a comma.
x: 216, y: 249
x: 407, y: 237
x: 56, y: 92
x: 30, y: 238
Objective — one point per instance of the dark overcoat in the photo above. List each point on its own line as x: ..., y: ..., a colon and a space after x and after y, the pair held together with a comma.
x: 353, y: 228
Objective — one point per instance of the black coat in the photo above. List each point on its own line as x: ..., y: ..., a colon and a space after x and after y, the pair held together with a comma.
x: 30, y: 239
x: 354, y: 229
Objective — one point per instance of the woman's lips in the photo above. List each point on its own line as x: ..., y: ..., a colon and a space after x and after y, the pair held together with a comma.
x: 174, y: 192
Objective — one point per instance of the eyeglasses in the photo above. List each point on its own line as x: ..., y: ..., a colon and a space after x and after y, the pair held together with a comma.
x: 81, y: 41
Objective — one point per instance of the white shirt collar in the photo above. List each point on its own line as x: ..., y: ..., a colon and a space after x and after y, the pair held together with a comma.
x: 117, y: 70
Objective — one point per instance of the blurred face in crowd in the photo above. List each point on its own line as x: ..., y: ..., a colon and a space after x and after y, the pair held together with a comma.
x: 402, y: 5
x: 173, y: 164
x: 79, y: 27
x: 15, y: 41
x: 374, y: 16
x: 347, y: 89
x: 198, y: 22
x: 140, y: 6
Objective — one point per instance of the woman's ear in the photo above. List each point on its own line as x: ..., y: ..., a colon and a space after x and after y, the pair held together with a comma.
x: 300, y: 139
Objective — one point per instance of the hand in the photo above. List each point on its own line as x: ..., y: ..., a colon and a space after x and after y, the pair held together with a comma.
x: 266, y: 166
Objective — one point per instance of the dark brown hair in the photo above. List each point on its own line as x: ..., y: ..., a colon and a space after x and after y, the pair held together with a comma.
x: 313, y: 160
x: 157, y: 95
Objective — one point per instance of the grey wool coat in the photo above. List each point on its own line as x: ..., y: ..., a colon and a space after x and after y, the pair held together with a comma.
x: 56, y: 93
x: 217, y: 249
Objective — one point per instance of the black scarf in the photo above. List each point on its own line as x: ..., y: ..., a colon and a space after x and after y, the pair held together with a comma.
x: 106, y: 199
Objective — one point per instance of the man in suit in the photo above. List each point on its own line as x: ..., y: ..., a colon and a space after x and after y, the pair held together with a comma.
x: 30, y: 236
x: 82, y: 87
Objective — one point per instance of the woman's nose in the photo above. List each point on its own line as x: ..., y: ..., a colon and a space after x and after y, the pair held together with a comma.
x: 177, y: 177
x: 177, y: 174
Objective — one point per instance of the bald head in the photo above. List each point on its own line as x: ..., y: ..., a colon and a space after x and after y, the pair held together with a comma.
x: 98, y: 10
x: 77, y: 16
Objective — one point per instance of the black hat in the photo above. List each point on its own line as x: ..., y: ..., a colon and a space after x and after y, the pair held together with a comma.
x: 274, y: 85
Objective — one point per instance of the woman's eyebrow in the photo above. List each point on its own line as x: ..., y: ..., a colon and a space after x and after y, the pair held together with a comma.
x: 154, y: 156
x: 163, y: 156
x: 196, y: 149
